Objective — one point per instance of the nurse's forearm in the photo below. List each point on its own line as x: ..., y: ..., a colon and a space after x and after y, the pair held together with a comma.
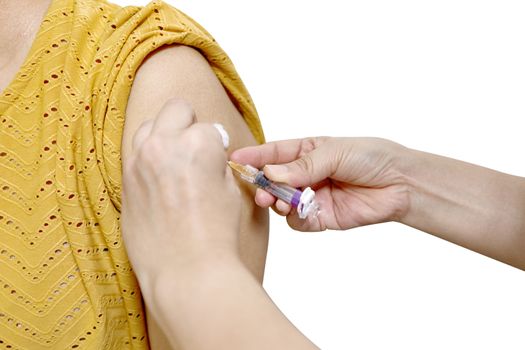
x: 216, y: 303
x: 475, y: 207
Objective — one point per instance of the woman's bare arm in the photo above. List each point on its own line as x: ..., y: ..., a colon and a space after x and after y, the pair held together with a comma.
x: 179, y: 71
x: 478, y: 208
x: 375, y: 180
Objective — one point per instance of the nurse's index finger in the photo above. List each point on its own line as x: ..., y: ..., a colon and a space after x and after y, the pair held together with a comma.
x: 276, y: 152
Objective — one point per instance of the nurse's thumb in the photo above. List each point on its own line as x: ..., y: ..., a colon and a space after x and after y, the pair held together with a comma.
x: 307, y: 170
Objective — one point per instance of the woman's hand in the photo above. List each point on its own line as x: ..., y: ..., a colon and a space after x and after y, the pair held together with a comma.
x: 361, y: 181
x: 356, y: 180
x: 181, y: 203
x: 181, y: 223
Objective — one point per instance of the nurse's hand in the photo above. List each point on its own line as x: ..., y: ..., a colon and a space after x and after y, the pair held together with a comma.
x: 361, y: 181
x: 356, y: 180
x: 180, y: 199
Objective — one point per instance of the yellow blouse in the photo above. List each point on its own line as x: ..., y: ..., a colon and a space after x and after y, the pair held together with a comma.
x: 65, y: 279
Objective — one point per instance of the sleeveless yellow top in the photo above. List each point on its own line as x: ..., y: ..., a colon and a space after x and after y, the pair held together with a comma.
x: 65, y: 279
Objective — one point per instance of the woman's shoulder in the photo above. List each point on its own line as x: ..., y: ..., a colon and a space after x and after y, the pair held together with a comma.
x: 135, y: 58
x: 105, y: 18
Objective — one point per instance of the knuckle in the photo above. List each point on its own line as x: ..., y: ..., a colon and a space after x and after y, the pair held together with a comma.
x: 150, y: 151
x: 142, y: 131
x: 181, y: 105
x: 307, y: 145
x: 201, y: 129
x: 321, y: 140
x: 177, y: 102
x: 145, y: 125
x: 128, y: 175
x: 197, y: 139
x: 206, y: 138
x: 207, y: 130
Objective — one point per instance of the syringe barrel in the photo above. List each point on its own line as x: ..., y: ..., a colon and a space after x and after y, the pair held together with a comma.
x: 282, y: 191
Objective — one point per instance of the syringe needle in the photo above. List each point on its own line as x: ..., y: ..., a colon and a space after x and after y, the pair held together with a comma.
x: 247, y: 172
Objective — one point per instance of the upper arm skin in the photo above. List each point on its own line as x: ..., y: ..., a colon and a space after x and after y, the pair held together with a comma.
x: 182, y: 72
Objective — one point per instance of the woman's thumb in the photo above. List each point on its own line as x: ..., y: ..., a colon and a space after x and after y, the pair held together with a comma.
x: 307, y: 170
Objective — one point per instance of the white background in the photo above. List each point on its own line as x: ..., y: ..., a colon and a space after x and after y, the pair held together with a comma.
x: 446, y: 77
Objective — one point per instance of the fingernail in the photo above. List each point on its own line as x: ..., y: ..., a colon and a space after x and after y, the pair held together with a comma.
x: 276, y: 172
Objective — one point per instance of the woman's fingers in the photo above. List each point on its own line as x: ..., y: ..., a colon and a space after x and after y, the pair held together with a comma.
x: 264, y: 199
x: 303, y: 225
x: 277, y: 152
x: 142, y: 133
x: 308, y: 169
x: 298, y: 163
x: 282, y: 208
x: 175, y: 116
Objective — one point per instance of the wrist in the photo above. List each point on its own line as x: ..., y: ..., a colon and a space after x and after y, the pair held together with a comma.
x: 405, y: 161
x: 422, y: 174
x: 181, y: 297
x: 179, y: 276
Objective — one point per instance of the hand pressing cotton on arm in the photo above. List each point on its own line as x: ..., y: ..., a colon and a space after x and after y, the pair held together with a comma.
x: 180, y: 191
x: 180, y: 71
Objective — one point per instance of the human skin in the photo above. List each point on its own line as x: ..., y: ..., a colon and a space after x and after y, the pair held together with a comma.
x: 245, y: 305
x: 20, y: 22
x: 181, y: 72
x: 168, y: 72
x: 362, y: 181
x: 197, y: 286
x: 359, y: 181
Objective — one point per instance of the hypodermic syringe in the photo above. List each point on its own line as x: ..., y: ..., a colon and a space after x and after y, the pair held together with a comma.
x: 303, y: 200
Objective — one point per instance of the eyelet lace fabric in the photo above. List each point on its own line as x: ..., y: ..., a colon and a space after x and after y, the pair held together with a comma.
x: 65, y: 279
